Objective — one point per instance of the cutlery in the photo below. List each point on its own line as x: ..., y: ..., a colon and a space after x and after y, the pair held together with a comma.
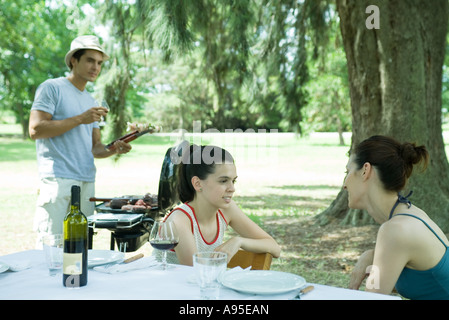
x: 134, y: 258
x: 131, y: 259
x: 302, y: 292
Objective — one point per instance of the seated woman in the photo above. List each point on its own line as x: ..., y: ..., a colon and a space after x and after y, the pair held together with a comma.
x: 411, y: 251
x: 206, y: 179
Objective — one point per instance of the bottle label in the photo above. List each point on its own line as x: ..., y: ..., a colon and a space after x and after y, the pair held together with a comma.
x: 72, y: 263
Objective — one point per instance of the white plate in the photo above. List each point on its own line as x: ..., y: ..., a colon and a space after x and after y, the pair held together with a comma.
x: 261, y: 281
x: 99, y: 257
x: 3, y: 267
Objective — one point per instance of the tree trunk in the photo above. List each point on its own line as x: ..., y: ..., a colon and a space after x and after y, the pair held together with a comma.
x: 395, y: 75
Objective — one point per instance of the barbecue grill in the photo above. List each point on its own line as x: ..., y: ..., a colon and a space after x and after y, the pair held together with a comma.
x: 130, y: 230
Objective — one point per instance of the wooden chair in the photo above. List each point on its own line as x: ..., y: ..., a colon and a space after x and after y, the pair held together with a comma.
x: 257, y: 261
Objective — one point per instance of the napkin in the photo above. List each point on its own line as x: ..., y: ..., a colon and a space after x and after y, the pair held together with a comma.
x: 125, y: 267
x: 17, y: 265
x: 238, y: 269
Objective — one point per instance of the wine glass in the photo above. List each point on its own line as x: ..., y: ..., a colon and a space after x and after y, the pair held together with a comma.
x: 163, y: 236
x: 103, y: 104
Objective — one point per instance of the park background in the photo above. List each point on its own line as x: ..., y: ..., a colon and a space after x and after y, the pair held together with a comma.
x: 312, y: 74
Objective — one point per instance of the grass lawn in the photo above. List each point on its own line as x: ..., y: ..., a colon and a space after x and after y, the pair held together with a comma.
x: 283, y: 182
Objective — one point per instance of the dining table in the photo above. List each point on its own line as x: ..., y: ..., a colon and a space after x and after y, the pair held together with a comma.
x: 28, y: 278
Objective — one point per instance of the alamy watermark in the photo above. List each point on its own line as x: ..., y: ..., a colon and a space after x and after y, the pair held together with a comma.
x: 373, y: 20
x: 252, y: 146
x: 373, y: 280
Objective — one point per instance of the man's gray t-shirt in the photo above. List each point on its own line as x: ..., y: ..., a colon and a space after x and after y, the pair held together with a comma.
x: 70, y: 154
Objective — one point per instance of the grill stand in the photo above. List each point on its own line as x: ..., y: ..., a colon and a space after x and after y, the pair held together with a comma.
x: 129, y: 230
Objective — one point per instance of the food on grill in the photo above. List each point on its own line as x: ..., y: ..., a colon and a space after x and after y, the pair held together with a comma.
x: 140, y: 206
x: 118, y: 203
x: 141, y: 127
x: 134, y: 203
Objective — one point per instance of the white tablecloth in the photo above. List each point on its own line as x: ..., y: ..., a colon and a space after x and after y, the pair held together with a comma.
x: 149, y: 284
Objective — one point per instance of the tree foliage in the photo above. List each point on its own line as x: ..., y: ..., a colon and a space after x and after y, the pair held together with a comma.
x: 229, y: 64
x: 253, y: 54
x: 25, y: 61
x: 328, y: 108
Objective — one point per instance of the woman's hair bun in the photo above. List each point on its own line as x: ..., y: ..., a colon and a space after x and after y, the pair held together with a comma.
x: 393, y: 160
x: 412, y: 154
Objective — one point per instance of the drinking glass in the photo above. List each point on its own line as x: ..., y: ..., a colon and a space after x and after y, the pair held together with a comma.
x: 208, y: 266
x: 103, y: 104
x: 163, y: 236
x: 53, y: 247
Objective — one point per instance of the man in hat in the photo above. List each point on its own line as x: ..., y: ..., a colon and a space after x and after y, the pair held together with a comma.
x: 64, y: 123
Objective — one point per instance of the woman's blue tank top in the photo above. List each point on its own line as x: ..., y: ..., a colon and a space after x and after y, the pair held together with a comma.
x: 431, y: 284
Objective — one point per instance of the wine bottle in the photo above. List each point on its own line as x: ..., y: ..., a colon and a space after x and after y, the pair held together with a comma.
x: 75, y: 244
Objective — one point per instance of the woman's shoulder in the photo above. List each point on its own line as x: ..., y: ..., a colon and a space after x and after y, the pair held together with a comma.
x: 397, y: 231
x: 405, y: 227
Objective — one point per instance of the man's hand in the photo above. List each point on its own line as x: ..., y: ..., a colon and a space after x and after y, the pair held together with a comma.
x: 99, y: 150
x: 93, y: 114
x: 122, y: 147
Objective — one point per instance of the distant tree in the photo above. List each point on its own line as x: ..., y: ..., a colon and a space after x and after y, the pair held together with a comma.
x: 328, y: 108
x: 115, y: 81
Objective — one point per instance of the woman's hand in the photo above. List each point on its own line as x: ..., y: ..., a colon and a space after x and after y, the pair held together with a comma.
x: 359, y: 273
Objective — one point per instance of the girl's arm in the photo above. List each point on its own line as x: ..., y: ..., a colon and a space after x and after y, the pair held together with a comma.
x: 250, y: 236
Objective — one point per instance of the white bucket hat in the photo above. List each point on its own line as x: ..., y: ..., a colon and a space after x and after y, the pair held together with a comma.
x: 84, y: 42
